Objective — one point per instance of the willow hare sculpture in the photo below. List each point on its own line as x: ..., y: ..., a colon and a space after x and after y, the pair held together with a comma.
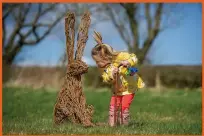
x: 71, y: 103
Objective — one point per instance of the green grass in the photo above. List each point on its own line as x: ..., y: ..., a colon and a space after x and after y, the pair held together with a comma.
x: 27, y: 111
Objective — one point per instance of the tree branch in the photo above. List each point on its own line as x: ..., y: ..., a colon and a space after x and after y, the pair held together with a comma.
x: 119, y: 27
x: 20, y: 18
x: 38, y: 39
x: 7, y: 9
x: 12, y: 37
x: 37, y: 25
x: 20, y: 14
x: 123, y: 5
x: 26, y: 11
x: 154, y: 31
x: 11, y: 55
x: 157, y: 17
x: 131, y: 10
x: 15, y: 17
x: 148, y: 17
x: 4, y: 33
x: 50, y: 8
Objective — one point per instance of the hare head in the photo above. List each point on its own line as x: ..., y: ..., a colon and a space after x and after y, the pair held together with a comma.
x: 75, y: 64
x: 77, y: 67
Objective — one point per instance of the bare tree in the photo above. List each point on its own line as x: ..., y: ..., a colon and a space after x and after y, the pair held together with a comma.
x: 139, y: 24
x: 27, y: 25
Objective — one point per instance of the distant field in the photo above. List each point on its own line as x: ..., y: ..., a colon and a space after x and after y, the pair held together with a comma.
x: 27, y: 111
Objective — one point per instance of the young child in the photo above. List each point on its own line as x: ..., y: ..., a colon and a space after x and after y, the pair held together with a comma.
x: 111, y: 62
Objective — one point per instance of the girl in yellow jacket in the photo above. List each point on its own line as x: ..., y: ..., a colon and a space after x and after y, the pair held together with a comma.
x: 110, y: 62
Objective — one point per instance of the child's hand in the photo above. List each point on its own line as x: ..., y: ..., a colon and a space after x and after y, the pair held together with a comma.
x: 125, y: 63
x: 115, y: 70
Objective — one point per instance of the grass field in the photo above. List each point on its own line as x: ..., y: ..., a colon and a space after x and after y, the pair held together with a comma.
x: 27, y: 111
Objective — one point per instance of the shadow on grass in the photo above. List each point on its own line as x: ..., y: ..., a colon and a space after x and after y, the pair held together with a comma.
x: 136, y: 124
x: 131, y: 124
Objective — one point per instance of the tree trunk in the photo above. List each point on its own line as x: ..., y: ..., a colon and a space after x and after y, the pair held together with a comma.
x: 158, y: 84
x: 139, y: 53
x: 7, y: 60
x: 6, y: 69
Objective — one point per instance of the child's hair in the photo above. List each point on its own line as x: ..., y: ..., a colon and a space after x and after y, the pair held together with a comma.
x: 102, y: 53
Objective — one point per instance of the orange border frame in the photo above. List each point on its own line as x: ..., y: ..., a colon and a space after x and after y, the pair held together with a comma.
x: 99, y: 1
x: 1, y: 71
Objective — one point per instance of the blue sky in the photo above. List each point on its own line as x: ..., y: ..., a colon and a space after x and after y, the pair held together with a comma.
x: 181, y: 45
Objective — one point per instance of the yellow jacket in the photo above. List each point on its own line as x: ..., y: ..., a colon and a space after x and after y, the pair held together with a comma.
x: 127, y: 84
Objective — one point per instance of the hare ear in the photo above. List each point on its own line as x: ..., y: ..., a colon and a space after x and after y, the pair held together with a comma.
x: 70, y: 35
x: 82, y: 36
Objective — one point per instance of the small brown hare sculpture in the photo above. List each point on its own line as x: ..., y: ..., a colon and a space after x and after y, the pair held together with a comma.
x: 71, y: 103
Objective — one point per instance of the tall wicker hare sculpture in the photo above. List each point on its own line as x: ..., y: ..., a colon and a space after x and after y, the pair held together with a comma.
x: 71, y: 103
